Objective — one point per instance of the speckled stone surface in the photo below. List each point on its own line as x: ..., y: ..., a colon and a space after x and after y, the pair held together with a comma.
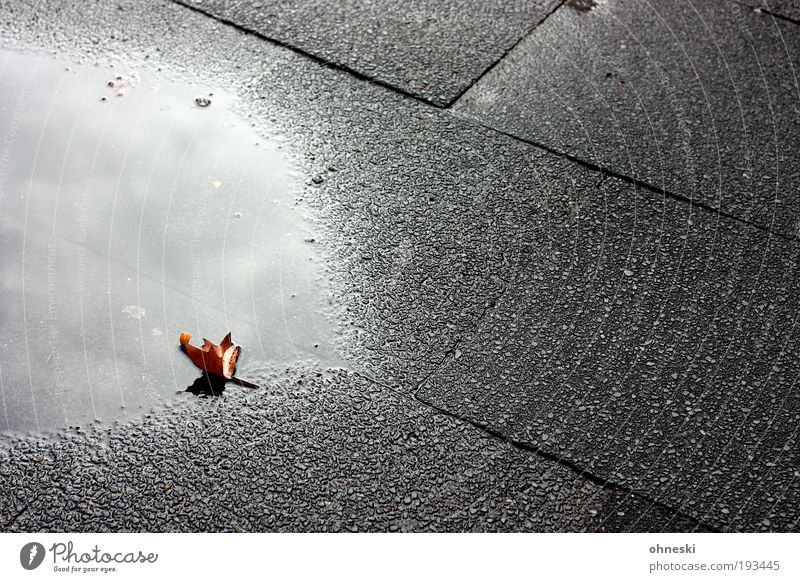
x: 654, y: 347
x: 699, y: 99
x: 435, y: 231
x: 418, y: 213
x: 311, y: 451
x: 784, y: 8
x: 419, y: 219
x: 432, y: 50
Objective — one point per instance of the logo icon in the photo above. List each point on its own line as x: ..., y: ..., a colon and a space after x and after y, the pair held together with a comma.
x: 31, y: 555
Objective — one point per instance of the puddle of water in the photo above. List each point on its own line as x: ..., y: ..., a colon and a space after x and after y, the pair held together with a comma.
x: 133, y: 208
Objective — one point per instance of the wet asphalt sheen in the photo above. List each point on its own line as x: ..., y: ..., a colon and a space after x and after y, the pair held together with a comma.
x: 521, y: 341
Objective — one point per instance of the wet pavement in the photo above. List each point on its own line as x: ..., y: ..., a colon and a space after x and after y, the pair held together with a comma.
x: 430, y: 50
x: 138, y: 207
x: 332, y: 452
x: 698, y: 101
x: 515, y: 340
x: 654, y: 347
x: 788, y: 9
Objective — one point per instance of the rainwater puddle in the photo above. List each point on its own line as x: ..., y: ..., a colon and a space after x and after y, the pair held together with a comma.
x: 133, y: 208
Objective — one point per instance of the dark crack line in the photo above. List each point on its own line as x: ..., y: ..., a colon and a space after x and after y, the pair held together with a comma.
x: 502, y: 57
x: 316, y: 58
x: 521, y: 445
x: 766, y: 10
x: 19, y: 514
x: 473, y: 328
x: 607, y: 172
x: 571, y: 465
x: 779, y: 16
x: 528, y: 449
x: 439, y: 104
x: 605, y: 484
x: 587, y: 164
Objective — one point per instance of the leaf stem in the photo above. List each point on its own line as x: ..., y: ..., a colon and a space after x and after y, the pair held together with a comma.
x: 244, y: 383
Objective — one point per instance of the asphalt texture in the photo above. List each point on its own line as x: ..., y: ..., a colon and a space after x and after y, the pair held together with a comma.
x: 789, y: 9
x: 654, y: 347
x: 450, y: 249
x: 698, y: 99
x: 309, y: 452
x: 431, y: 50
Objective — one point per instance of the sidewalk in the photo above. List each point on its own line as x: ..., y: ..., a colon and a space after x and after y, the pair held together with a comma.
x: 565, y: 277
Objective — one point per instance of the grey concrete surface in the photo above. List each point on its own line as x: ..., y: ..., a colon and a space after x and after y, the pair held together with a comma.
x: 418, y: 215
x: 436, y: 230
x: 697, y: 98
x: 432, y: 50
x: 311, y: 451
x: 655, y: 347
x: 781, y: 8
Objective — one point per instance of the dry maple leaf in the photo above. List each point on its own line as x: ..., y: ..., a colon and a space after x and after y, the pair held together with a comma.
x: 215, y: 359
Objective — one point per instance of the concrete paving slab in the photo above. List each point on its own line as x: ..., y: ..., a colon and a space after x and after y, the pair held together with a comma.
x: 426, y: 220
x: 699, y: 99
x: 654, y: 346
x: 419, y: 214
x: 311, y: 451
x: 431, y: 50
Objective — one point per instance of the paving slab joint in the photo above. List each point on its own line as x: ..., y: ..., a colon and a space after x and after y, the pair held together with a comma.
x: 506, y: 53
x: 608, y: 173
x: 447, y: 105
x: 572, y: 466
x: 314, y: 57
x: 762, y: 10
x: 8, y: 525
x: 491, y: 304
x: 529, y: 449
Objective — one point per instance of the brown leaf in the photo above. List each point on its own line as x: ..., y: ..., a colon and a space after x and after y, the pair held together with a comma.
x: 214, y: 359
